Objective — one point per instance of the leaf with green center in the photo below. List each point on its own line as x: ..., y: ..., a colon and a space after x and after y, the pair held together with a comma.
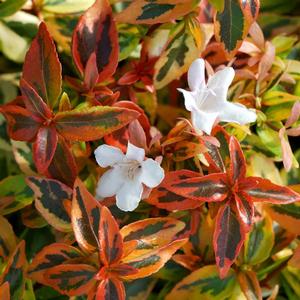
x: 204, y: 283
x: 73, y: 279
x: 151, y: 233
x: 209, y: 188
x: 229, y: 237
x: 163, y: 198
x: 14, y: 194
x: 233, y: 23
x: 14, y: 272
x: 21, y: 124
x: 33, y: 102
x: 85, y: 215
x: 42, y: 69
x: 151, y: 261
x: 263, y: 190
x: 181, y: 51
x: 96, y: 33
x: 49, y: 257
x: 259, y: 242
x: 92, y: 123
x: 153, y: 12
x: 110, y: 239
x: 51, y: 197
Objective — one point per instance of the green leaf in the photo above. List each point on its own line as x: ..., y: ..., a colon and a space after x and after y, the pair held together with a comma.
x: 270, y: 139
x: 66, y: 6
x: 204, y: 283
x: 181, y: 51
x: 9, y: 7
x: 12, y: 45
x: 259, y: 242
x: 233, y: 22
x: 14, y: 194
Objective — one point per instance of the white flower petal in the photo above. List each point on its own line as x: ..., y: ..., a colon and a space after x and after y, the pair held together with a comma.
x: 219, y: 84
x: 129, y: 196
x: 237, y: 113
x: 152, y: 173
x: 108, y: 155
x: 135, y: 153
x: 196, y: 75
x: 110, y: 182
x: 189, y: 99
x: 203, y: 121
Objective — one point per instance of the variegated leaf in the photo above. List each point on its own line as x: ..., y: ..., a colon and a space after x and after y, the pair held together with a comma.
x: 51, y: 198
x: 92, y: 123
x: 85, y: 216
x: 42, y: 69
x: 49, y: 257
x: 204, y: 283
x: 152, y: 12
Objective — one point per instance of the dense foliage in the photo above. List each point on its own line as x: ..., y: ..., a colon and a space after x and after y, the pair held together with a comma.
x: 149, y: 149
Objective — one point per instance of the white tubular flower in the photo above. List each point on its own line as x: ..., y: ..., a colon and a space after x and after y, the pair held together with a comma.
x: 127, y: 174
x: 208, y: 102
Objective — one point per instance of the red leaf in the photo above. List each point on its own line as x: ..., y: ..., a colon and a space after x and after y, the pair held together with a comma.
x: 111, y: 241
x: 63, y: 166
x: 96, y: 32
x: 245, y: 209
x: 110, y: 289
x: 263, y: 190
x: 237, y: 168
x: 21, y: 124
x: 91, y: 72
x: 209, y: 188
x: 44, y: 148
x: 163, y: 198
x: 33, y: 102
x: 4, y: 291
x: 42, y: 69
x: 229, y: 236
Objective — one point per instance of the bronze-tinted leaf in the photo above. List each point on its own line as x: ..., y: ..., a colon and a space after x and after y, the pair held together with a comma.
x: 111, y: 241
x: 96, y: 33
x: 229, y: 236
x: 42, y: 69
x: 92, y: 123
x: 49, y: 257
x: 85, y: 215
x: 72, y: 280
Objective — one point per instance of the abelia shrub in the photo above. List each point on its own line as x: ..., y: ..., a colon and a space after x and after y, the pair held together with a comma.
x: 148, y: 150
